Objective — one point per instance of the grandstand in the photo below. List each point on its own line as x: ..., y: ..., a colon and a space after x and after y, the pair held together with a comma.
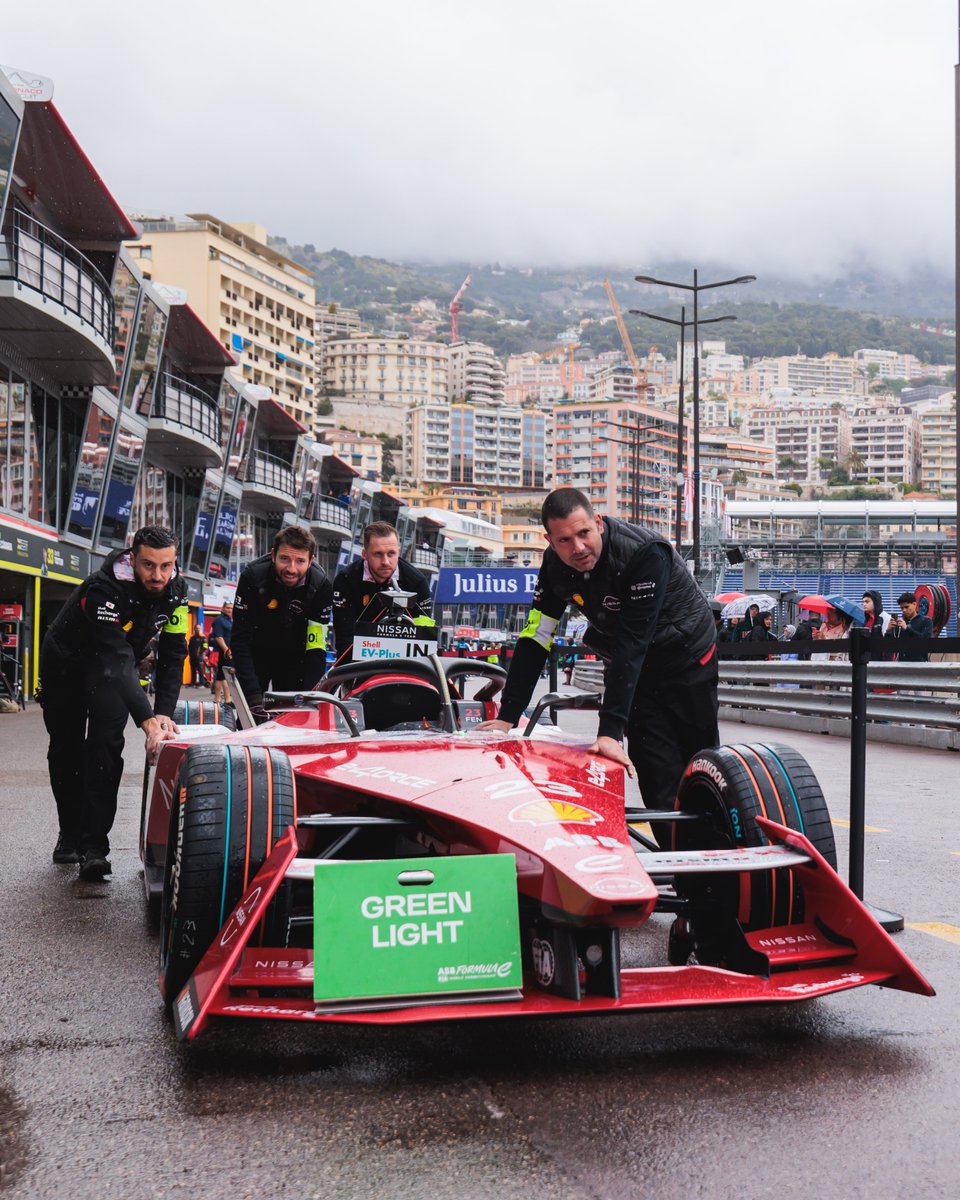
x: 848, y: 546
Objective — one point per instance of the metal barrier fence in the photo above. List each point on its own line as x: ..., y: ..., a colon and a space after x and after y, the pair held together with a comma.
x: 925, y: 703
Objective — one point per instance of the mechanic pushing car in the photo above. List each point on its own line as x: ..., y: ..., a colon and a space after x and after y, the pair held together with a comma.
x: 651, y: 624
x: 280, y: 616
x: 90, y: 686
x: 358, y: 588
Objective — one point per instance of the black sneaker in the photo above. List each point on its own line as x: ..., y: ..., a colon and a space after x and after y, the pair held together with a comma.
x: 94, y: 866
x: 65, y: 851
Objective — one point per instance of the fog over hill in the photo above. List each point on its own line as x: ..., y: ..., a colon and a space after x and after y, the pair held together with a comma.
x: 516, y: 308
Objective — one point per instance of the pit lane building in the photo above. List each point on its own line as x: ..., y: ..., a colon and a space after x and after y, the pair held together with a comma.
x: 119, y: 406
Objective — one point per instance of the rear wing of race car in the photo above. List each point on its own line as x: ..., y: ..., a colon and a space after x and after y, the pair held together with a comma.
x: 838, y: 945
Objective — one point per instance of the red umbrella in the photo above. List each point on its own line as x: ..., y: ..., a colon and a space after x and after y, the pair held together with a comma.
x: 814, y: 604
x: 726, y: 597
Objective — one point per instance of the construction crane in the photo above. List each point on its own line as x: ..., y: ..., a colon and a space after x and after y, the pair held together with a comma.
x: 639, y: 374
x: 455, y: 311
x: 567, y: 347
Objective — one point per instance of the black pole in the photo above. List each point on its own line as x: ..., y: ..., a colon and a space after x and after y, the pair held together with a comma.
x: 696, y: 429
x: 956, y: 401
x: 859, y: 657
x: 678, y: 539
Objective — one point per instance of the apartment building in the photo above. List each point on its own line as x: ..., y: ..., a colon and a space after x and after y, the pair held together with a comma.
x: 476, y: 374
x: 524, y: 543
x: 889, y: 364
x: 426, y: 443
x: 486, y: 445
x: 260, y: 304
x: 387, y: 367
x: 884, y: 444
x: 809, y: 437
x: 536, y: 448
x: 363, y: 453
x: 938, y: 444
x: 623, y: 456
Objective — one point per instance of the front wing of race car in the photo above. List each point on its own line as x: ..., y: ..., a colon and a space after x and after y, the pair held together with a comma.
x: 838, y: 945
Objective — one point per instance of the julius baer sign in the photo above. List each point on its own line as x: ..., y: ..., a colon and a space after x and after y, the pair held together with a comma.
x: 416, y: 927
x: 465, y: 585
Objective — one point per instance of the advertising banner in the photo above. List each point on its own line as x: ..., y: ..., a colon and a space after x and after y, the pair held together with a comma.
x: 485, y: 585
x: 416, y: 927
x: 392, y: 637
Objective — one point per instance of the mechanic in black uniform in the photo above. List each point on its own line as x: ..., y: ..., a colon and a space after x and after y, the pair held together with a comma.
x: 280, y: 616
x: 90, y: 686
x: 648, y: 620
x: 357, y: 588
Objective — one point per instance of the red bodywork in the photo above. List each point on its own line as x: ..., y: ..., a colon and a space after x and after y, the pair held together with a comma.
x: 561, y: 814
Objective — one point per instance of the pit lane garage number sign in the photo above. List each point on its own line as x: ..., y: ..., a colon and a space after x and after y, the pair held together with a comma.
x: 412, y: 927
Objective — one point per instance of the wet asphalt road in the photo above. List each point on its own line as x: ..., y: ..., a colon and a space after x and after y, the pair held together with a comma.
x: 855, y: 1095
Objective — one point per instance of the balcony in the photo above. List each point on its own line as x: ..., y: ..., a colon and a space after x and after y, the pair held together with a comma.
x: 55, y: 306
x: 184, y: 428
x: 425, y: 559
x: 330, y: 519
x: 270, y: 486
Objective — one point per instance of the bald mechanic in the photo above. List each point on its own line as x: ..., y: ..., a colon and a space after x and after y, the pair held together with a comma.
x: 648, y: 620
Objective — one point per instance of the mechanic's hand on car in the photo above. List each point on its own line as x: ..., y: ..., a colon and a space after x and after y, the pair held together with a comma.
x: 608, y: 747
x: 493, y: 726
x: 158, y: 729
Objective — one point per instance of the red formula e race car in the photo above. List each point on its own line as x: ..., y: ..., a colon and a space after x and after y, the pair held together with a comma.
x: 368, y: 856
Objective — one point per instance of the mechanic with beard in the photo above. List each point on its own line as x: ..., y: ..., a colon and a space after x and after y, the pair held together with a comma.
x: 280, y: 616
x: 90, y: 686
x: 648, y: 620
x: 357, y: 588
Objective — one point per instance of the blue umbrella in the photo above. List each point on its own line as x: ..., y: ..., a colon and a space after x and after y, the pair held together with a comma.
x: 849, y: 608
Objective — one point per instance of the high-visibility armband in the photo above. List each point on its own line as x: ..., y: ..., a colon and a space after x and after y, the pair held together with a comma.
x: 178, y: 621
x: 540, y: 627
x: 427, y: 622
x: 316, y: 635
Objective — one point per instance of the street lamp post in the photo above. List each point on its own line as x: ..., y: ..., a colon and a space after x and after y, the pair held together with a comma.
x: 682, y: 324
x: 696, y: 287
x: 634, y: 443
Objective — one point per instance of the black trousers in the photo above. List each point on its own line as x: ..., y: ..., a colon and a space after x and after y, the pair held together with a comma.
x: 85, y: 718
x: 671, y: 719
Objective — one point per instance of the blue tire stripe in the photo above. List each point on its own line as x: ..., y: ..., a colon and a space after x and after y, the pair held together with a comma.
x: 786, y: 775
x: 226, y: 843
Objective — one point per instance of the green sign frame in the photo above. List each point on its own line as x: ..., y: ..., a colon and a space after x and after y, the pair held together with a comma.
x: 386, y: 928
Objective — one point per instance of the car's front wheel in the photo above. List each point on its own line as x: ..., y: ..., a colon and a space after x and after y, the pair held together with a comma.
x: 231, y: 805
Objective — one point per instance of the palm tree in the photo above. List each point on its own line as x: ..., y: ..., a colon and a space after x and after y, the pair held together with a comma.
x: 855, y: 463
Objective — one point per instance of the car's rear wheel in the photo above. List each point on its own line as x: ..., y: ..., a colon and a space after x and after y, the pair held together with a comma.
x: 205, y: 712
x: 731, y: 786
x: 231, y: 805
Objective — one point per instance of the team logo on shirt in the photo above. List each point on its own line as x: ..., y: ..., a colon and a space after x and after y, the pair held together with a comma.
x: 611, y: 603
x: 294, y: 606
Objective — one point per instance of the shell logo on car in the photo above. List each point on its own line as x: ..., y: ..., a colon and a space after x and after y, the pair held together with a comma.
x: 547, y: 812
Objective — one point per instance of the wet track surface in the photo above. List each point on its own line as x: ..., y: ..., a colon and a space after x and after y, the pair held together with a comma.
x: 855, y: 1095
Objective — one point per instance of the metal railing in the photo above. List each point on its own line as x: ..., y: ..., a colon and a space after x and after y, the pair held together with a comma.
x: 423, y: 557
x: 183, y: 404
x: 40, y: 259
x: 905, y: 702
x: 266, y: 470
x: 329, y: 512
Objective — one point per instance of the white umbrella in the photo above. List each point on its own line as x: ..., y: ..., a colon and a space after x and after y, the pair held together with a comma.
x: 738, y: 608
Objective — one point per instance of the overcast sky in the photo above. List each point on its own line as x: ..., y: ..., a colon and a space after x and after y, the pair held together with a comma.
x: 797, y: 137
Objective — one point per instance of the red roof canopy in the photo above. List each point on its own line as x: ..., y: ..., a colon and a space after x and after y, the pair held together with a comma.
x: 55, y: 171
